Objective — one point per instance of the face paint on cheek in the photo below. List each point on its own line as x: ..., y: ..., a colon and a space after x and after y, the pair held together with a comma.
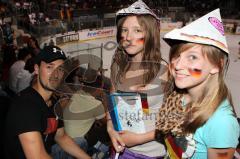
x: 140, y: 41
x: 195, y: 72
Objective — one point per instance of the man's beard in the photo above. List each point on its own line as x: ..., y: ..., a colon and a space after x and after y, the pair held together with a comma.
x: 45, y: 86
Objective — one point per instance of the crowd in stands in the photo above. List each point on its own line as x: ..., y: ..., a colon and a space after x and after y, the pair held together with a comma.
x: 5, y: 10
x: 64, y: 14
x: 190, y: 5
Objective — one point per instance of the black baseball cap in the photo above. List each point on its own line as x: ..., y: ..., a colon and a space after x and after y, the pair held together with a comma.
x: 49, y: 54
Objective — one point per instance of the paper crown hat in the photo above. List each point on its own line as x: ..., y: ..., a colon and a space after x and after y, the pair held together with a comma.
x: 205, y: 30
x: 139, y: 8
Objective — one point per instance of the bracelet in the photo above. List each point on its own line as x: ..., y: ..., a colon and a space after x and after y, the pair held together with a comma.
x: 159, y: 136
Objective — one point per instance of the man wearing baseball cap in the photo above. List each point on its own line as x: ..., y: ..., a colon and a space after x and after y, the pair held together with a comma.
x: 31, y: 126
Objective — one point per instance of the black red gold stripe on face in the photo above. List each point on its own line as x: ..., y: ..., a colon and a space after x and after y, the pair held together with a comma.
x: 195, y: 72
x: 140, y: 41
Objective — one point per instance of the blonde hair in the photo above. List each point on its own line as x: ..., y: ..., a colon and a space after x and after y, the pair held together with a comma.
x: 151, y: 55
x: 215, y: 91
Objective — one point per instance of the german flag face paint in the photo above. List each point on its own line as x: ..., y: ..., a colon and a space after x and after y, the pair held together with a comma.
x: 195, y: 72
x: 140, y: 41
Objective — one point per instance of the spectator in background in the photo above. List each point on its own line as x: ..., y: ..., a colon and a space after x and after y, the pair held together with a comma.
x: 62, y: 14
x: 33, y: 46
x: 69, y: 13
x: 23, y: 55
x: 25, y: 76
x: 8, y: 33
x: 51, y: 43
x: 9, y: 57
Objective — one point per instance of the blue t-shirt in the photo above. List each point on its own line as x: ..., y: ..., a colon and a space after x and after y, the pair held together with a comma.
x: 220, y: 131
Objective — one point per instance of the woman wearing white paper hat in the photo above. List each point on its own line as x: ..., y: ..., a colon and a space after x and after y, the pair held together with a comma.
x: 198, y: 119
x: 137, y: 66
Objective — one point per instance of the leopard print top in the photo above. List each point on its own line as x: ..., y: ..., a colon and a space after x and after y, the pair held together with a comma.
x: 172, y: 115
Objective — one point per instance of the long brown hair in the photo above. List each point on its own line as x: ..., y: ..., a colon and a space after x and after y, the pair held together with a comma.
x: 213, y: 94
x: 151, y: 55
